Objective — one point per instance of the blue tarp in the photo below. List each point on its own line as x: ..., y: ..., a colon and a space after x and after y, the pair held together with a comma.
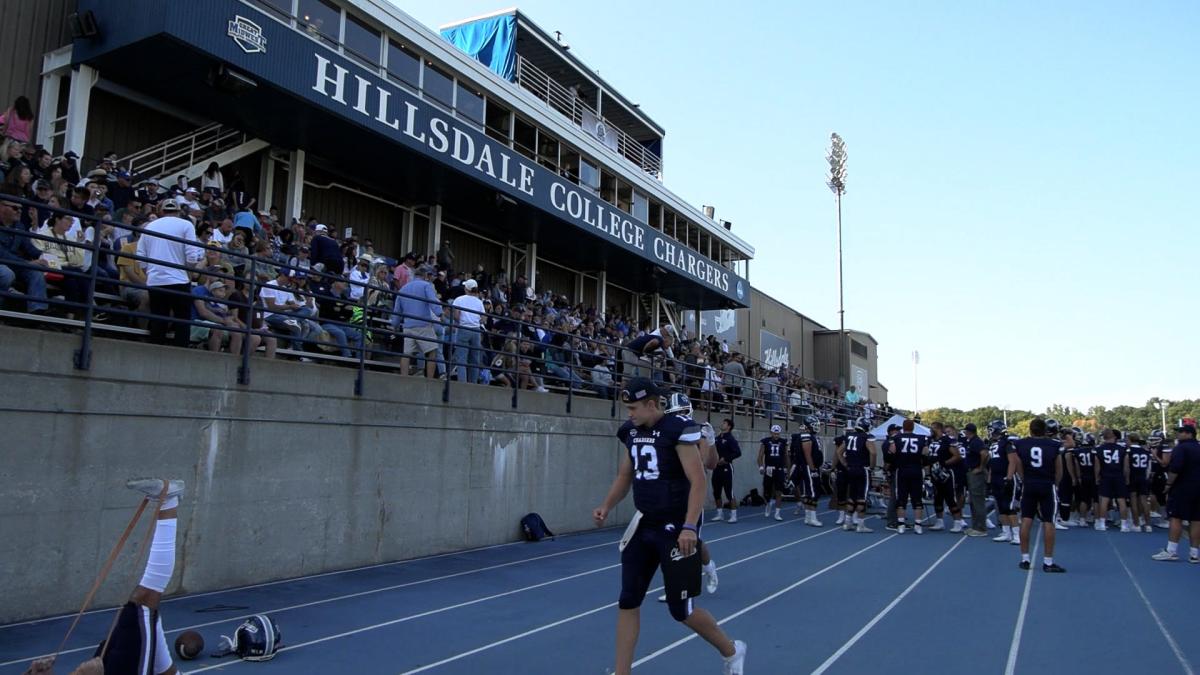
x: 492, y: 42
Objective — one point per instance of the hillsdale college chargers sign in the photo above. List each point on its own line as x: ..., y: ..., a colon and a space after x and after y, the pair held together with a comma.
x: 493, y: 162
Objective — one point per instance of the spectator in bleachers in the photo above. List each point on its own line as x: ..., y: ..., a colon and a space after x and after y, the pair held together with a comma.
x: 63, y: 254
x: 734, y: 376
x: 20, y: 178
x: 17, y: 122
x: 336, y: 311
x: 213, y: 181
x: 326, y: 251
x: 404, y: 270
x: 20, y: 258
x: 170, y: 292
x: 120, y: 191
x: 281, y: 305
x: 133, y: 290
x: 466, y: 317
x: 42, y: 164
x: 210, y: 309
x: 223, y: 232
x: 360, y: 276
x: 414, y: 314
x: 445, y: 257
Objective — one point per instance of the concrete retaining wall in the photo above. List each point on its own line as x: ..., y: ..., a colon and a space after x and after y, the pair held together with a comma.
x: 291, y: 475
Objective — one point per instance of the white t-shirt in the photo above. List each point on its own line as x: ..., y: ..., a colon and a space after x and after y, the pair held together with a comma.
x: 469, y: 319
x: 271, y: 291
x: 221, y: 238
x: 157, y: 248
x: 358, y: 276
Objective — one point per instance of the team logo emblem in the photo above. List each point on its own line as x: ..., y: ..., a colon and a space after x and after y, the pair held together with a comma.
x: 741, y: 290
x: 247, y: 35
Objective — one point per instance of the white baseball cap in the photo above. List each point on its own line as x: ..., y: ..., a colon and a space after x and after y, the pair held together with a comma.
x: 321, y: 227
x: 470, y: 284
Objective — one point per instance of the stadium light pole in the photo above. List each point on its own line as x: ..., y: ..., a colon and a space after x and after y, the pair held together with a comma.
x: 837, y: 183
x: 1162, y: 408
x: 916, y: 362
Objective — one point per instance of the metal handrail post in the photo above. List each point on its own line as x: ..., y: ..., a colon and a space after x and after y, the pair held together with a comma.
x: 244, y: 369
x: 362, y: 346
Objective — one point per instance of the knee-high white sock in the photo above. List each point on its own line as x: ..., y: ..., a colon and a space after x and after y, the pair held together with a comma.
x: 162, y: 655
x: 161, y: 564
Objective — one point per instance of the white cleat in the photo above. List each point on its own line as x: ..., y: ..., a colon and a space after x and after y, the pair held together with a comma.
x: 1002, y: 538
x: 710, y: 580
x: 1016, y: 540
x: 847, y: 526
x: 777, y: 516
x: 733, y: 516
x: 900, y: 530
x: 841, y: 518
x: 767, y: 512
x: 917, y: 529
x: 1162, y: 525
x: 957, y: 529
x: 937, y: 526
x: 152, y: 487
x: 735, y: 664
x: 991, y: 525
x: 815, y: 521
x: 1165, y: 556
x: 1126, y: 528
x: 1100, y: 526
x: 1147, y: 529
x: 863, y: 529
x: 720, y: 516
x: 1058, y: 525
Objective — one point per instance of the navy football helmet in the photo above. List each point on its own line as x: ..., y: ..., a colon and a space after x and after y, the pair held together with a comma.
x: 679, y: 404
x: 862, y: 424
x: 1156, y: 439
x: 1077, y: 434
x: 996, y: 428
x: 1052, y: 426
x: 1089, y: 438
x: 257, y: 639
x: 812, y: 421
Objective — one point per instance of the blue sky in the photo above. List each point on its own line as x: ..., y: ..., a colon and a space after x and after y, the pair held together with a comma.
x: 1023, y: 178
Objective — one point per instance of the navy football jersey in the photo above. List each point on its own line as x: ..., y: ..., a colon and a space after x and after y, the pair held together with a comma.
x: 797, y: 449
x: 775, y: 449
x: 998, y: 457
x: 971, y: 448
x: 660, y: 486
x: 1038, y: 457
x: 1112, y: 459
x: 908, y: 450
x: 942, y: 449
x: 855, y: 454
x: 838, y: 440
x: 1086, y: 456
x: 1139, y: 460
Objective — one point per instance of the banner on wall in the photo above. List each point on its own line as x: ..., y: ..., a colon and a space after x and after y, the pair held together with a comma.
x: 774, y: 351
x: 719, y: 322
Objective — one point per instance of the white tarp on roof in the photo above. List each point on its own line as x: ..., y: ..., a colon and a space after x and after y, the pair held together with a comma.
x: 880, y: 432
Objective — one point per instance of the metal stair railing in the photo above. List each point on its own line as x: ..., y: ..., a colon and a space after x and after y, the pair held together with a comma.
x: 183, y: 151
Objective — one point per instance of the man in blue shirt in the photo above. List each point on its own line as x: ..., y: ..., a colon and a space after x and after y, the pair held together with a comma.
x: 1036, y: 460
x: 417, y: 307
x: 19, y: 257
x: 1183, y: 494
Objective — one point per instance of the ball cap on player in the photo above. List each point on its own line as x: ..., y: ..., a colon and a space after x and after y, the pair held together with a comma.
x: 639, y: 389
x: 970, y: 427
x: 1186, y: 428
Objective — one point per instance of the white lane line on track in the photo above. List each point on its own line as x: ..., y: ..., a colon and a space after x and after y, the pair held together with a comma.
x: 769, y: 598
x: 343, y: 597
x: 878, y: 617
x: 1015, y: 647
x: 548, y: 626
x: 1187, y: 667
x: 475, y: 601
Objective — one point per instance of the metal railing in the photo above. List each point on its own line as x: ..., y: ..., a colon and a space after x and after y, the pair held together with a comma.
x: 184, y: 151
x: 366, y: 333
x: 549, y: 91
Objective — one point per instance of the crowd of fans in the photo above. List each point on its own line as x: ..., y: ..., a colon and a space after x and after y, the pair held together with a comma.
x: 320, y: 294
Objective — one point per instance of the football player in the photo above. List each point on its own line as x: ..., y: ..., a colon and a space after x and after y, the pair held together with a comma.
x: 908, y: 476
x: 679, y: 405
x: 1085, y: 493
x: 1183, y: 490
x: 1036, y: 459
x: 728, y: 450
x: 1158, y: 475
x: 839, y: 498
x: 857, y: 455
x: 663, y: 466
x: 1070, y: 440
x: 944, y: 453
x: 772, y: 464
x: 805, y: 461
x: 1003, y: 491
x: 1139, y: 483
x: 1112, y: 478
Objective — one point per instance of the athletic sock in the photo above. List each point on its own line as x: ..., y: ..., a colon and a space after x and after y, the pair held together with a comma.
x: 1007, y: 530
x: 162, y: 655
x: 1048, y: 560
x: 171, y: 503
x: 1172, y: 547
x: 161, y: 564
x: 1024, y: 557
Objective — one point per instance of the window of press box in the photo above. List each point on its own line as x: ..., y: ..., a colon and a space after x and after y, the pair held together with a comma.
x: 438, y: 85
x: 589, y: 176
x: 404, y: 64
x: 497, y: 121
x: 362, y: 40
x: 469, y: 103
x: 280, y: 8
x: 608, y: 187
x: 320, y: 19
x: 641, y: 206
x: 858, y: 348
x: 547, y: 151
x: 525, y: 138
x: 569, y: 164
